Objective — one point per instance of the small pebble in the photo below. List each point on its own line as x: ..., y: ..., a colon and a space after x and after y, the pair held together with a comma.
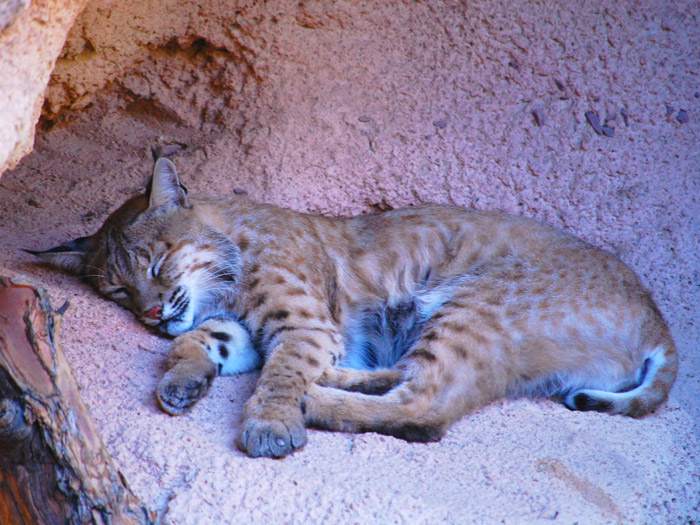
x: 539, y: 117
x: 625, y: 116
x: 239, y: 191
x: 697, y: 94
x: 364, y: 118
x: 608, y: 131
x: 169, y: 149
x: 440, y: 124
x: 594, y: 121
x: 669, y: 110
x: 682, y: 116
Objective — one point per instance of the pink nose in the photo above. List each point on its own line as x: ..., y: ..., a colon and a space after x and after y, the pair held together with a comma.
x: 154, y: 313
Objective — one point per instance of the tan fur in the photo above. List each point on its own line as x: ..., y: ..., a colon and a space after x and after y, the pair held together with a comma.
x: 522, y: 309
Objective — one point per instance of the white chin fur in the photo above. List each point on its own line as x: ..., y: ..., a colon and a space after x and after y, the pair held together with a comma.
x: 175, y: 328
x: 182, y: 324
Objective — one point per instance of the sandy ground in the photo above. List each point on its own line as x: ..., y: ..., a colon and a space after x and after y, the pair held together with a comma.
x: 482, y: 106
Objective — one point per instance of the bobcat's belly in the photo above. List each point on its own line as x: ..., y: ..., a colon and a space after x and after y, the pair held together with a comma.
x: 377, y: 336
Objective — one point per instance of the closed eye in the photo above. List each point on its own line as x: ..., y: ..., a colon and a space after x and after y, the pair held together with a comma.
x: 119, y: 293
x: 155, y: 269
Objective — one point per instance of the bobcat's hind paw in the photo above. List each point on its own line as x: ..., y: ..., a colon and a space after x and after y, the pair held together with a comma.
x: 183, y: 385
x: 271, y: 438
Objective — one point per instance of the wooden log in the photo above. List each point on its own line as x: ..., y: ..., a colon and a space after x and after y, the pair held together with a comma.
x: 54, y: 468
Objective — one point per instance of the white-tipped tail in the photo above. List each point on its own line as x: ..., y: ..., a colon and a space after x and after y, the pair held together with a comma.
x: 655, y: 378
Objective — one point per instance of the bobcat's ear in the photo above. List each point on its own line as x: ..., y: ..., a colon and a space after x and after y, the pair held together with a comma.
x: 166, y: 188
x: 69, y: 256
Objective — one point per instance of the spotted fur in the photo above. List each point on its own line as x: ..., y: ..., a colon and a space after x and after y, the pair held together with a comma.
x: 399, y: 323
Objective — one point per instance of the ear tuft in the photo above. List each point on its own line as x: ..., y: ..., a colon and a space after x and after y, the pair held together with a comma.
x: 166, y: 188
x: 69, y: 256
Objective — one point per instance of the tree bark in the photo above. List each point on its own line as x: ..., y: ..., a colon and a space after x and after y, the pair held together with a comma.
x: 54, y: 468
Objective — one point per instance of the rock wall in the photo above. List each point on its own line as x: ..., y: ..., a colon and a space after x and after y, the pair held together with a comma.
x: 31, y: 37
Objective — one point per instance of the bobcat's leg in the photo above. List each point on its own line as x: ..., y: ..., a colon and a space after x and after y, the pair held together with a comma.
x: 373, y: 382
x: 398, y: 413
x: 273, y: 423
x: 217, y: 345
x: 460, y: 363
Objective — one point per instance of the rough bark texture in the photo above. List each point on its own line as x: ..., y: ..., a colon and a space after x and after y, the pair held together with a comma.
x: 53, y: 465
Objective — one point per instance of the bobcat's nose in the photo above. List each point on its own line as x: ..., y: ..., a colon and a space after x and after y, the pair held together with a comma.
x: 154, y: 313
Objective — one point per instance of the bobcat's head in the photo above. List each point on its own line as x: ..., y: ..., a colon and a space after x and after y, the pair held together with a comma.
x: 155, y: 257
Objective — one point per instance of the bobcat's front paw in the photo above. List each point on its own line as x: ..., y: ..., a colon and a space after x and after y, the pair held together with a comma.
x: 183, y: 385
x: 272, y: 438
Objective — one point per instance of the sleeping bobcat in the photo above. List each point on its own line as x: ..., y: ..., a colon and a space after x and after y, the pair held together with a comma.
x: 398, y: 323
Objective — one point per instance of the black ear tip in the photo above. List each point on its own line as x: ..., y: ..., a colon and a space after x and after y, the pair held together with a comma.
x: 81, y: 244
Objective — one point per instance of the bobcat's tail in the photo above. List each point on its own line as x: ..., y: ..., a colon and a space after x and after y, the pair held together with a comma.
x: 654, y: 381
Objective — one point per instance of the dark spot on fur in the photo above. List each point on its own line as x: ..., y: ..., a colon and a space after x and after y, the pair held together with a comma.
x: 254, y: 283
x: 271, y: 336
x: 310, y: 342
x: 258, y: 300
x: 637, y: 408
x: 312, y: 361
x: 414, y: 432
x: 300, y: 375
x: 221, y: 336
x: 422, y: 353
x: 430, y: 336
x: 460, y: 351
x: 585, y: 402
x: 455, y: 327
x: 276, y: 315
x: 332, y: 293
x: 223, y: 351
x: 220, y: 366
x: 373, y: 387
x: 284, y: 328
x: 243, y: 243
x: 279, y: 314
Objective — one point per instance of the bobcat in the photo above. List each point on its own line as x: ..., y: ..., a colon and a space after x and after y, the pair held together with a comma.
x: 400, y: 322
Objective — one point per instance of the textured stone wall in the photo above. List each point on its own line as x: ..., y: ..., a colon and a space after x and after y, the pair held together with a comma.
x: 31, y: 37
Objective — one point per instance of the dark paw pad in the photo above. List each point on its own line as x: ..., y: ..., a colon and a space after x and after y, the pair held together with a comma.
x: 273, y: 439
x: 176, y: 394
